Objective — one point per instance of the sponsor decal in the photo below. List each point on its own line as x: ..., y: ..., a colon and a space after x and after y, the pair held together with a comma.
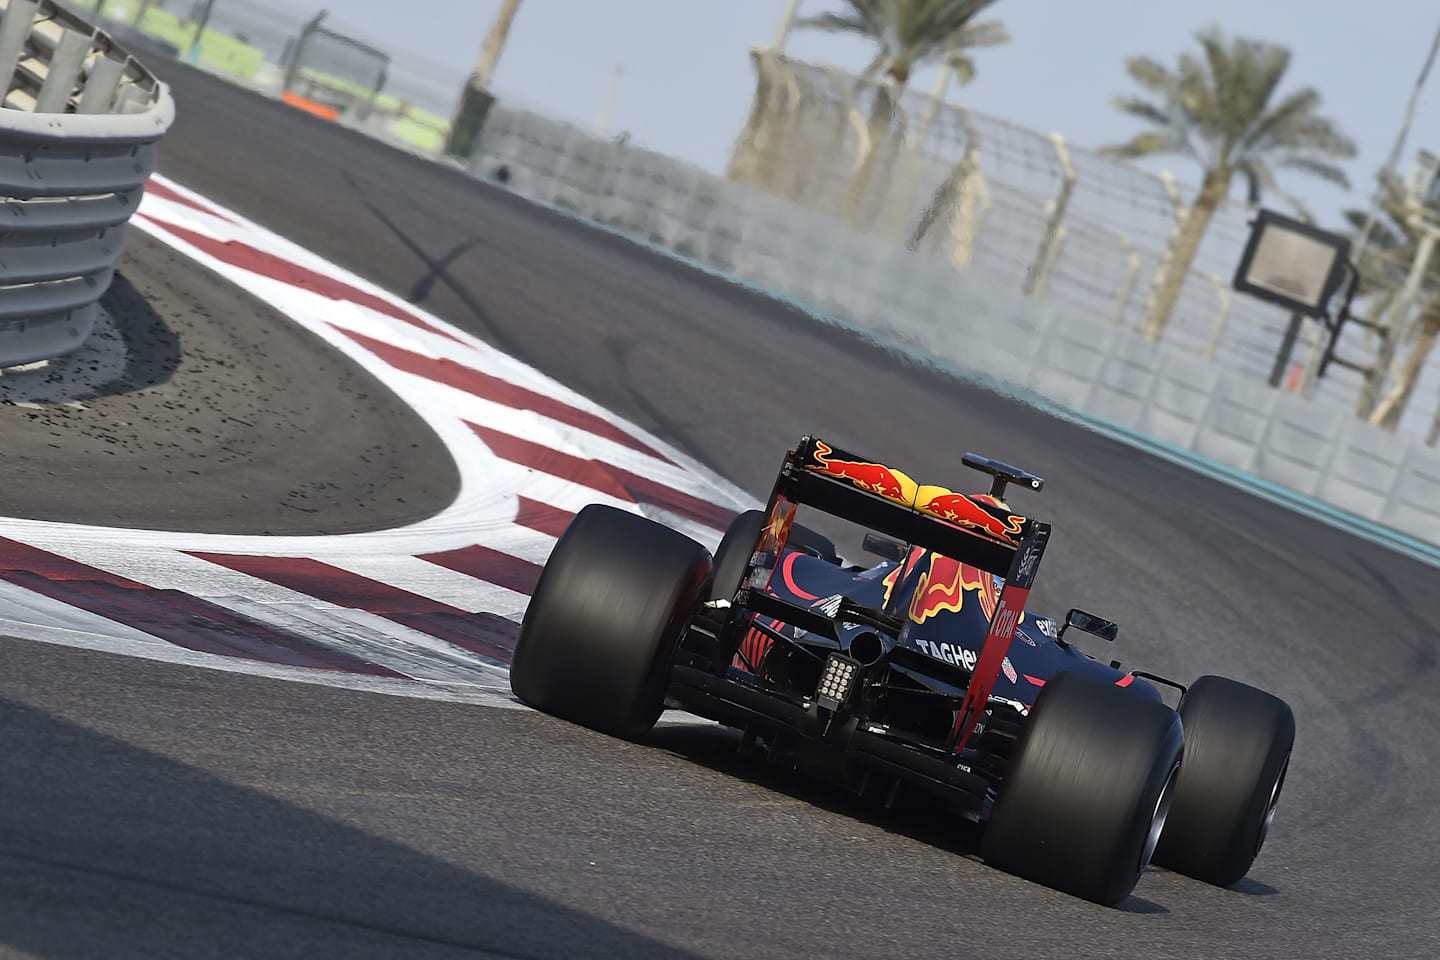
x: 981, y: 512
x: 872, y: 477
x: 944, y: 585
x: 830, y: 606
x: 950, y: 653
x: 1009, y: 670
x: 1006, y: 619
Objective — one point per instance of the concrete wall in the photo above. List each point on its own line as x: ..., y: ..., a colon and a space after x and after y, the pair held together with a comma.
x: 1313, y: 448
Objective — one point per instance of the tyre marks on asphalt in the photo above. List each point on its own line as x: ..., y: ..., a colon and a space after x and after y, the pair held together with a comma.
x: 439, y: 600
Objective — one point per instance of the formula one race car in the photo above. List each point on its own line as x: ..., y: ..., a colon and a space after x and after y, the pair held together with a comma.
x: 925, y: 670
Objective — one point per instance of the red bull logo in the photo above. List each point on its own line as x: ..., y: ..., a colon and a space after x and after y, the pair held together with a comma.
x: 872, y: 477
x: 944, y: 586
x: 982, y: 513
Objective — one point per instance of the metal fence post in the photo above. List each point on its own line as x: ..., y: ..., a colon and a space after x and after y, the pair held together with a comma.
x: 973, y: 192
x: 1222, y: 293
x: 1127, y: 289
x: 1049, y: 250
x: 1167, y: 257
x: 298, y: 53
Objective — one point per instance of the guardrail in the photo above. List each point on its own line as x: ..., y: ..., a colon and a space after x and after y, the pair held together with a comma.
x: 78, y: 132
x: 1167, y: 393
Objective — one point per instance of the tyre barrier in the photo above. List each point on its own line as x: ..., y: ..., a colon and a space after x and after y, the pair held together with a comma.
x: 79, y: 129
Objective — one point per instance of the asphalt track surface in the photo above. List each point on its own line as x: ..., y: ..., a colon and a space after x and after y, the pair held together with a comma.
x: 152, y: 810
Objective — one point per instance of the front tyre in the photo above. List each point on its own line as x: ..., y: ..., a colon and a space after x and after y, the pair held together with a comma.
x: 1237, y: 749
x: 1087, y: 791
x: 598, y: 640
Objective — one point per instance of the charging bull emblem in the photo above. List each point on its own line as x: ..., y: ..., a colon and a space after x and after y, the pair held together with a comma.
x: 872, y: 477
x: 981, y: 512
x: 945, y: 585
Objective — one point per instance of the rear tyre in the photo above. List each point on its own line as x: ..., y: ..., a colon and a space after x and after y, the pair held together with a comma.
x: 598, y: 640
x: 739, y: 542
x: 1087, y: 791
x: 1237, y: 749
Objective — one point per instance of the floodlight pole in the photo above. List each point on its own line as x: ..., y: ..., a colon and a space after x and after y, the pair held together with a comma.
x: 1287, y: 349
x: 292, y: 70
x: 1394, y: 159
x: 786, y: 24
x: 193, y: 55
x: 607, y: 106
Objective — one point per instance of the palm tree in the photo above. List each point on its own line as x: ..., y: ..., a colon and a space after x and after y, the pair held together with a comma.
x: 1393, y: 245
x: 1222, y: 111
x: 908, y: 34
x: 912, y: 33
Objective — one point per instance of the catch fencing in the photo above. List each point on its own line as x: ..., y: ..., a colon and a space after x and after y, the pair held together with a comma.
x: 962, y: 319
x: 78, y: 133
x: 1028, y: 211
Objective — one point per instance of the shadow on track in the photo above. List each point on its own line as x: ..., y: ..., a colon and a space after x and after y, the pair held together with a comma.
x: 915, y: 815
x: 132, y: 348
x: 152, y: 348
x: 110, y: 850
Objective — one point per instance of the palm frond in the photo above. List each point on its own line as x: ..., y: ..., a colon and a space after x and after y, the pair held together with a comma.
x: 835, y: 23
x: 1218, y: 104
x: 1253, y: 182
x: 913, y: 33
x: 990, y: 33
x: 1142, y: 109
x: 1316, y: 167
x: 1152, y: 75
x: 964, y: 68
x: 1143, y: 145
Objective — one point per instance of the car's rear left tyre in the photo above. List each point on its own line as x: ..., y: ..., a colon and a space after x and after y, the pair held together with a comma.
x: 1087, y: 791
x: 1237, y: 749
x: 739, y: 542
x: 598, y: 640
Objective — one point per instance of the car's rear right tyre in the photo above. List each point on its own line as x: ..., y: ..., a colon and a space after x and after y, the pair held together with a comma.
x: 1087, y: 790
x: 598, y: 640
x: 1238, y: 741
x: 739, y: 543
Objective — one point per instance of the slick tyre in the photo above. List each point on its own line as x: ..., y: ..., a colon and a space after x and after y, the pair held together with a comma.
x: 739, y: 541
x: 598, y: 640
x: 1087, y: 790
x: 1237, y: 749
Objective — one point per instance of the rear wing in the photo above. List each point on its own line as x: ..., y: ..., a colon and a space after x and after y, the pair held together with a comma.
x: 977, y: 529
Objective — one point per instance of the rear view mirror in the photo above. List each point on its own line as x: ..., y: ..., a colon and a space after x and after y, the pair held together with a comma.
x: 884, y: 547
x: 1088, y: 623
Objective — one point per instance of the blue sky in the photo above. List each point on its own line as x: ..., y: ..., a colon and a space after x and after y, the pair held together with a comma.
x: 687, y: 80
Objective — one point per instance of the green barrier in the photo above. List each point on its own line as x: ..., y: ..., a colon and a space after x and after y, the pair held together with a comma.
x: 223, y: 53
